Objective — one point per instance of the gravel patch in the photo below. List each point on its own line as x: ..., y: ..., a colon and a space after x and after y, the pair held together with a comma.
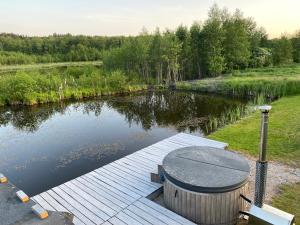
x: 278, y: 174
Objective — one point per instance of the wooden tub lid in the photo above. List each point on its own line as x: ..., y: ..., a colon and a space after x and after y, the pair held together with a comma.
x: 206, y: 169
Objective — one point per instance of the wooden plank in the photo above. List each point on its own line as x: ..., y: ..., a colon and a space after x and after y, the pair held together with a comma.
x: 156, y: 214
x: 137, y: 161
x: 77, y: 205
x: 137, y: 172
x: 119, y: 191
x: 159, y: 153
x: 116, y: 185
x: 129, y: 220
x: 58, y: 207
x: 104, y: 205
x: 38, y: 199
x: 168, y: 145
x: 145, y: 215
x: 165, y: 211
x: 136, y: 217
x: 70, y: 208
x: 147, y: 162
x: 116, y: 221
x: 148, y: 157
x: 149, y: 154
x: 77, y: 221
x: 114, y: 196
x: 122, y: 181
x: 190, y: 139
x: 133, y: 179
x: 134, y: 163
x: 106, y: 223
x: 153, y: 151
x: 113, y: 203
x: 139, y: 176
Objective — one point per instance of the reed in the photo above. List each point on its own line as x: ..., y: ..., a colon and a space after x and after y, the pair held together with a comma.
x: 44, y: 86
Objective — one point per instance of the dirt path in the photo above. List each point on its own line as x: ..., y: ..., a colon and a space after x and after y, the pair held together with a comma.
x: 278, y: 174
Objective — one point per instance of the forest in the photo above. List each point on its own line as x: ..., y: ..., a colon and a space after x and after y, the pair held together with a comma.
x: 222, y: 43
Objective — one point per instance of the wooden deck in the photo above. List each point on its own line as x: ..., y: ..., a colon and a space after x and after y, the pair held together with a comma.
x: 117, y: 193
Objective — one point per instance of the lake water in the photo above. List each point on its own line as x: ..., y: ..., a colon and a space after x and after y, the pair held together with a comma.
x: 44, y: 146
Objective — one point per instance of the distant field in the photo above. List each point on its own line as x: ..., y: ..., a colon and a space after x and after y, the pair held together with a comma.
x: 13, y: 68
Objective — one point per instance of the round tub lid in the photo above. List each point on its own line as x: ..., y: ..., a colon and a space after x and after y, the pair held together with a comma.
x: 206, y: 169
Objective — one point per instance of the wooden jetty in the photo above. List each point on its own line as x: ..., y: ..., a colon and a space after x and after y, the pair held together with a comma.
x: 117, y: 193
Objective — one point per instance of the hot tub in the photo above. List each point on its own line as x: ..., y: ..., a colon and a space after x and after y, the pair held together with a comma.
x: 204, y: 184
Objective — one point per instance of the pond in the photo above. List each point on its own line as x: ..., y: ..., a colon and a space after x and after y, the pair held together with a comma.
x: 44, y: 146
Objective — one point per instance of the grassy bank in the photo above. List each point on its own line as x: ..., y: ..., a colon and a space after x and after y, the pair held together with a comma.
x: 272, y: 82
x: 56, y: 84
x: 283, y: 144
x: 289, y: 200
x: 284, y: 132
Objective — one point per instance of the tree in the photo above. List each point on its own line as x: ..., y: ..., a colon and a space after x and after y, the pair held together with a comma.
x: 171, y: 50
x: 183, y: 36
x: 155, y: 53
x: 212, y: 36
x: 282, y: 50
x: 296, y: 47
x: 195, y: 51
x: 236, y: 42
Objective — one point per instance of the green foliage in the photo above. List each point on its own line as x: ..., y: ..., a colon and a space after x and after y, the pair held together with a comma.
x: 19, y: 87
x: 17, y: 49
x: 296, y: 47
x: 211, y: 48
x: 282, y: 51
x: 117, y: 80
x: 261, y: 57
x: 236, y: 42
x: 42, y: 86
x: 195, y: 54
x: 222, y: 43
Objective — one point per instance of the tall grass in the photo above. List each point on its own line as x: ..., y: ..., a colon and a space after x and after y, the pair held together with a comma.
x: 33, y: 87
x: 229, y: 117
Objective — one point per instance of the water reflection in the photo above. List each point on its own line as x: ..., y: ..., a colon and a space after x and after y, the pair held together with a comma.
x: 185, y: 111
x: 44, y: 146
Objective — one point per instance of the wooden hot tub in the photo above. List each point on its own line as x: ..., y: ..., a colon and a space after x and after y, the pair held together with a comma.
x: 204, y: 184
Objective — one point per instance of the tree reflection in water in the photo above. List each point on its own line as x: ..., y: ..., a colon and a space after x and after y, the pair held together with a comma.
x: 184, y: 111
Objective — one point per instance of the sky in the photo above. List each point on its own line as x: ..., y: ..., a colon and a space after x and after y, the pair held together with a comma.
x: 129, y: 17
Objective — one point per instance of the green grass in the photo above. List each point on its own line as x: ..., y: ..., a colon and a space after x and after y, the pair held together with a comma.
x: 289, y: 200
x: 271, y: 81
x: 11, y: 68
x: 284, y: 132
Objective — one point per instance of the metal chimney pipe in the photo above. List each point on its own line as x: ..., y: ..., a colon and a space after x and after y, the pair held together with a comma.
x: 262, y: 163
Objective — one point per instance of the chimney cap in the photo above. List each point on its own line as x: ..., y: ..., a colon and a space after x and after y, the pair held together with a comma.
x: 265, y: 108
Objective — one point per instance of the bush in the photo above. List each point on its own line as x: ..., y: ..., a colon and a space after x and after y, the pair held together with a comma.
x: 19, y: 87
x: 116, y: 80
